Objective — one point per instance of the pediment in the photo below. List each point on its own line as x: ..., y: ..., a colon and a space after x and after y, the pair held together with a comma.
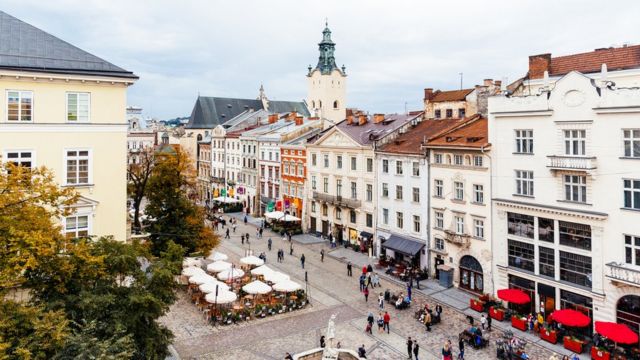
x: 84, y: 201
x: 338, y: 139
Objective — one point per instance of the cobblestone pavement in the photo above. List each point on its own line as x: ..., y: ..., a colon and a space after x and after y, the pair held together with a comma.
x: 331, y: 291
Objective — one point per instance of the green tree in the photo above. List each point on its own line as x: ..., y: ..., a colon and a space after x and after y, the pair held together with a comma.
x: 139, y: 174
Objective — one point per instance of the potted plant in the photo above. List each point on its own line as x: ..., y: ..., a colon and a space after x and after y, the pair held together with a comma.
x: 548, y: 334
x: 497, y: 312
x: 519, y: 322
x: 600, y: 353
x: 476, y: 304
x: 573, y: 343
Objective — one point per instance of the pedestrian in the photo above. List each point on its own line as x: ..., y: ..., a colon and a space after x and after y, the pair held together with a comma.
x: 438, y: 309
x: 234, y: 227
x: 381, y: 301
x: 409, y: 287
x: 302, y: 258
x: 322, y: 343
x: 226, y: 234
x: 361, y: 281
x: 416, y: 349
x: 369, y: 323
x: 247, y: 236
x: 446, y: 351
x: 369, y: 268
x: 410, y: 348
x: 483, y: 321
x: 366, y: 294
x: 461, y: 348
x: 287, y: 356
x: 380, y: 323
x: 369, y: 280
x: 362, y: 353
x: 489, y: 323
x: 245, y: 222
x: 376, y: 280
x: 387, y: 320
x: 269, y: 244
x: 260, y: 233
x: 291, y: 249
x: 333, y: 243
x: 349, y: 268
x: 427, y: 320
x: 321, y: 255
x: 242, y: 238
x: 364, y: 270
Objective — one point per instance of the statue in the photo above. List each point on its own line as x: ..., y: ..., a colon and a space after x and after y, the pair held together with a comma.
x: 330, y: 353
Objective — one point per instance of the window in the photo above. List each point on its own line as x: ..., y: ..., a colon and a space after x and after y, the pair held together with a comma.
x: 261, y: 155
x: 335, y: 104
x: 339, y: 187
x: 521, y: 255
x: 352, y: 216
x: 354, y: 190
x: 399, y: 220
x: 524, y: 183
x: 439, y: 216
x: 477, y: 161
x: 369, y: 220
x: 575, y: 235
x: 449, y: 113
x: 270, y: 156
x: 314, y: 159
x: 416, y: 195
x: 339, y: 161
x: 300, y: 170
x: 385, y: 216
x: 478, y: 228
x: 369, y: 192
x: 369, y: 165
x: 632, y: 194
x: 546, y: 261
x: 398, y: 192
x: 19, y: 106
x: 416, y: 168
x: 632, y: 143
x: 313, y: 182
x: 437, y: 114
x: 353, y: 163
x: 519, y: 224
x: 439, y: 188
x: 385, y: 166
x: 338, y: 214
x: 77, y: 167
x: 398, y: 167
x: 478, y: 194
x: 313, y: 206
x: 575, y: 268
x: 457, y: 160
x: 524, y: 141
x: 325, y: 185
x: 575, y: 188
x: 325, y: 210
x: 416, y: 223
x: 459, y: 222
x: 632, y: 250
x: 385, y: 190
x: 20, y: 158
x: 437, y: 158
x: 458, y: 187
x: 574, y: 142
x: 326, y: 161
x: 285, y: 169
x: 439, y: 244
x: 76, y: 226
x: 78, y: 106
x: 461, y: 112
x: 545, y: 229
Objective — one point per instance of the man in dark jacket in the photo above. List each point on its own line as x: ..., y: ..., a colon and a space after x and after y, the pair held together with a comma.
x: 410, y: 347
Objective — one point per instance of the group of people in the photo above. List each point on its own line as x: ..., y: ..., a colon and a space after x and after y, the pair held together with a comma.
x: 427, y: 316
x: 382, y: 321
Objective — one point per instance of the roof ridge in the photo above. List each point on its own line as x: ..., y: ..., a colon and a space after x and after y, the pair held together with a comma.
x: 463, y: 122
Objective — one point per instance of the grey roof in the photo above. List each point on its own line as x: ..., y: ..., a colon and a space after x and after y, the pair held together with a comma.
x: 25, y: 47
x: 247, y: 118
x: 366, y: 134
x: 211, y: 111
x: 403, y: 245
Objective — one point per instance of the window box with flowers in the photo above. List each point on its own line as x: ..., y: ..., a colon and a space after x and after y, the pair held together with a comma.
x: 574, y: 344
x: 598, y: 353
x: 476, y: 304
x: 549, y: 335
x: 496, y: 313
x: 519, y: 322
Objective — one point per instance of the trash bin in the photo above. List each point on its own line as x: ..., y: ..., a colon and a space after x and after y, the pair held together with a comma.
x: 446, y: 276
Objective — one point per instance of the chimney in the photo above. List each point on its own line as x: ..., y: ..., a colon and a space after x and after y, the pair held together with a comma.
x: 313, y: 118
x: 349, y: 119
x: 362, y: 119
x: 428, y: 94
x: 378, y: 118
x: 273, y: 118
x: 538, y: 64
x: 299, y: 120
x: 488, y: 82
x: 292, y: 116
x: 498, y: 84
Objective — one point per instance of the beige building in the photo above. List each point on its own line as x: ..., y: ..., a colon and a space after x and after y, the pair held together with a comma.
x: 64, y: 108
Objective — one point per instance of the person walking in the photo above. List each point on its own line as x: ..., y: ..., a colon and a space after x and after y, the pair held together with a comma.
x: 226, y: 234
x: 260, y: 233
x: 366, y: 294
x: 438, y: 310
x: 234, y: 227
x: 242, y: 238
x: 321, y: 255
x: 362, y: 353
x: 361, y: 281
x: 427, y: 320
x: 302, y: 258
x: 380, y: 323
x: 461, y: 348
x: 349, y: 269
x: 247, y: 236
x: 483, y: 321
x: 322, y: 342
x: 410, y: 348
x: 369, y: 280
x: 370, y: 320
x: 381, y: 301
x: 418, y: 282
x: 446, y: 351
x: 409, y: 287
x: 387, y: 319
x: 291, y: 249
x: 269, y: 244
x: 489, y: 323
x: 245, y: 219
x: 416, y: 349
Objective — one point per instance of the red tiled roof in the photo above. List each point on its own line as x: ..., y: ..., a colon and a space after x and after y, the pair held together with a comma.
x: 451, y: 95
x: 410, y: 142
x: 620, y: 58
x: 471, y: 132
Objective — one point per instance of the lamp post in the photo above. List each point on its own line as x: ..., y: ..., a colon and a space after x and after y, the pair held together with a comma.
x: 306, y: 282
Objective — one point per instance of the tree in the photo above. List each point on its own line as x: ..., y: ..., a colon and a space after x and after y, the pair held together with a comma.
x: 139, y: 174
x: 174, y: 216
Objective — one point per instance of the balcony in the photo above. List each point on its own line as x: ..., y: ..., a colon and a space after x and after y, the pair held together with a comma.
x: 336, y: 200
x: 559, y: 162
x: 462, y: 240
x: 217, y: 180
x: 623, y: 274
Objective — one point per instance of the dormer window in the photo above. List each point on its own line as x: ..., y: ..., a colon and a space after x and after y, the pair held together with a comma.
x: 437, y: 114
x: 449, y: 113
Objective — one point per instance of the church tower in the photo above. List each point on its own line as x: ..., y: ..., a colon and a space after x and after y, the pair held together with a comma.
x: 327, y: 83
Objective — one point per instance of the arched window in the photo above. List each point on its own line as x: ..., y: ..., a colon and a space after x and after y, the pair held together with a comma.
x: 449, y: 159
x: 313, y: 104
x: 469, y: 262
x: 338, y: 214
x: 320, y: 103
x: 335, y: 104
x: 471, y: 274
x: 199, y: 137
x: 628, y: 311
x: 467, y: 160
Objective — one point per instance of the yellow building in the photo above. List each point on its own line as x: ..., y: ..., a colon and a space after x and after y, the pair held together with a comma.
x: 64, y: 108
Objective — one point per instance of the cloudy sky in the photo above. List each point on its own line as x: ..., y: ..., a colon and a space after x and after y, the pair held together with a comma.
x: 392, y: 49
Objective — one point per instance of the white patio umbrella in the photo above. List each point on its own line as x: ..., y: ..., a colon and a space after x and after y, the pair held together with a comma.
x: 200, y: 279
x: 191, y: 261
x: 224, y: 297
x: 230, y: 274
x: 275, y: 276
x: 288, y: 217
x: 210, y: 287
x: 217, y: 256
x: 192, y: 270
x: 274, y: 215
x: 252, y: 260
x: 228, y: 200
x: 286, y: 286
x: 217, y: 266
x: 257, y: 287
x: 261, y: 270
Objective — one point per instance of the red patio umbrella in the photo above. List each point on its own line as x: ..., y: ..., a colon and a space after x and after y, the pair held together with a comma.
x: 514, y: 296
x: 570, y: 317
x: 618, y: 333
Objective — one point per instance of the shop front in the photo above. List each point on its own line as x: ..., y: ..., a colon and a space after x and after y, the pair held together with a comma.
x: 404, y: 252
x: 353, y: 236
x: 583, y: 304
x: 529, y: 287
x: 366, y: 242
x: 471, y: 275
x: 628, y: 312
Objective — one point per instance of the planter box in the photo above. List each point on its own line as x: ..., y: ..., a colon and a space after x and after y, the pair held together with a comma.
x: 519, y: 323
x: 597, y: 354
x: 549, y: 335
x: 570, y: 344
x: 497, y: 314
x: 476, y: 305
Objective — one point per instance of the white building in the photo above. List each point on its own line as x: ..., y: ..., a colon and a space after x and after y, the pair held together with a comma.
x: 566, y: 191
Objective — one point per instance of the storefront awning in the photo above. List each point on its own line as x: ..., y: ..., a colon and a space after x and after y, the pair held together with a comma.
x: 403, y: 245
x: 367, y: 235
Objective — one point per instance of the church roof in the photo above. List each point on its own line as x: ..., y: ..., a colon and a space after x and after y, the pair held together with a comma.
x: 26, y: 48
x: 326, y: 60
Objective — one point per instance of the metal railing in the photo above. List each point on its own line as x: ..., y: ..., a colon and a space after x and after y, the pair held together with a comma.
x: 336, y: 200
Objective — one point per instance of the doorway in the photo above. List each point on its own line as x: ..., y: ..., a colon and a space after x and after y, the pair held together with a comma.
x: 471, y: 274
x: 312, y: 225
x: 439, y: 261
x: 325, y: 228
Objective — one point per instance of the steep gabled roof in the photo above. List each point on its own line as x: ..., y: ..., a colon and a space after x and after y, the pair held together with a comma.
x: 450, y: 95
x: 281, y: 107
x: 411, y: 141
x: 368, y: 133
x: 472, y: 132
x: 26, y: 48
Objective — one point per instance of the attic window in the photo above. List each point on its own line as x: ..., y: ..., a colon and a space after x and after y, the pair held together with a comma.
x: 452, y: 138
x: 229, y: 106
x: 387, y: 121
x: 473, y: 139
